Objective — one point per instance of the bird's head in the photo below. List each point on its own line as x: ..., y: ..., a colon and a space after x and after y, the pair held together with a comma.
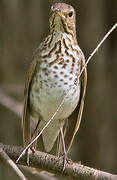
x: 62, y: 18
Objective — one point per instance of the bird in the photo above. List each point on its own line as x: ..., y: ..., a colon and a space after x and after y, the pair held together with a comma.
x: 53, y: 75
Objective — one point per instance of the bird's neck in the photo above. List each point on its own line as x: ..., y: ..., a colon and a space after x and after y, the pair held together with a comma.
x: 57, y: 41
x: 59, y: 36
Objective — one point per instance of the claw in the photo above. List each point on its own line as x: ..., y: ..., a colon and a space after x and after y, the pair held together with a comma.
x: 28, y: 156
x: 65, y: 160
x: 29, y: 151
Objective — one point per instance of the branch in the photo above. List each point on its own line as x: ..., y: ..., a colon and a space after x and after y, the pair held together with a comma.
x: 6, y: 160
x: 35, y: 174
x: 10, y: 103
x: 54, y: 165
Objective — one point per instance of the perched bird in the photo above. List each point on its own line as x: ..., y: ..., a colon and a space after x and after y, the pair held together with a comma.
x: 52, y: 77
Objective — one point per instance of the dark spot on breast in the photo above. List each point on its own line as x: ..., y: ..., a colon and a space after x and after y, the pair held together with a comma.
x: 55, y: 67
x: 64, y: 65
x: 61, y: 80
x: 65, y: 75
x: 45, y: 61
x: 65, y: 83
x: 54, y: 72
x: 62, y: 72
x: 57, y: 56
x: 46, y: 73
x: 75, y: 81
x: 72, y: 69
x: 61, y: 62
x: 49, y: 72
x: 56, y: 76
x: 67, y: 61
x: 70, y: 78
x: 73, y: 59
x: 66, y: 53
x: 44, y: 69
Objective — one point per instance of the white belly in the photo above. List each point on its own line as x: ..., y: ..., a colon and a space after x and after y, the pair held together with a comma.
x: 46, y: 101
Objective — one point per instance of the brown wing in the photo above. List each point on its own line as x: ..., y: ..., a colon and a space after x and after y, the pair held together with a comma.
x: 74, y: 120
x: 26, y: 115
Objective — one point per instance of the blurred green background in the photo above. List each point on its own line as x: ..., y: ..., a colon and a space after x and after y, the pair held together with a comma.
x: 23, y: 25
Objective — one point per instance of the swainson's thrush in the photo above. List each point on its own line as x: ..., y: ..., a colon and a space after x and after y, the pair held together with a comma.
x: 53, y: 73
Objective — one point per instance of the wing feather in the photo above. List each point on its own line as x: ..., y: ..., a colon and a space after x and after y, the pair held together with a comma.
x: 26, y: 115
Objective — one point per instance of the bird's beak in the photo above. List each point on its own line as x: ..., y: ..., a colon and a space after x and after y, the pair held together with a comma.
x: 56, y: 10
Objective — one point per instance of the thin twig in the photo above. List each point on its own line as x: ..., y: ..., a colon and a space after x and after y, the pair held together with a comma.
x: 6, y: 160
x: 96, y: 49
x: 54, y: 165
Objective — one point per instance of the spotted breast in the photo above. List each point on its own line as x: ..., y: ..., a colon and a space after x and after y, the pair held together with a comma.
x: 53, y: 76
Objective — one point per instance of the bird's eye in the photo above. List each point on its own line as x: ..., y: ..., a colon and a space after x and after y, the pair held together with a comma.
x: 70, y: 14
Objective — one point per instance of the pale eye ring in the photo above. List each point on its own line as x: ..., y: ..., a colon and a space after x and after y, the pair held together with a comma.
x: 70, y: 14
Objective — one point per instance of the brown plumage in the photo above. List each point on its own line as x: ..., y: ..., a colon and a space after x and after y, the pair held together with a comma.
x: 53, y: 73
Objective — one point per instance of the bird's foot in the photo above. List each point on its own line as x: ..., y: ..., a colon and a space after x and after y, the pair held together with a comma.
x: 65, y: 160
x: 28, y: 151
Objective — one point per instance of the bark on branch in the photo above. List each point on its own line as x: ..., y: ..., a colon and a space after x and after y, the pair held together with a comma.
x: 54, y: 165
x: 9, y: 163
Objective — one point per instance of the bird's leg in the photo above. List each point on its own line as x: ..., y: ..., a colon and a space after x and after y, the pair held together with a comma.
x: 35, y: 132
x: 29, y: 151
x: 64, y: 149
x: 32, y: 148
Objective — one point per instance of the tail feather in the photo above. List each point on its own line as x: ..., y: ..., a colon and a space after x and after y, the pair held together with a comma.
x: 50, y: 135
